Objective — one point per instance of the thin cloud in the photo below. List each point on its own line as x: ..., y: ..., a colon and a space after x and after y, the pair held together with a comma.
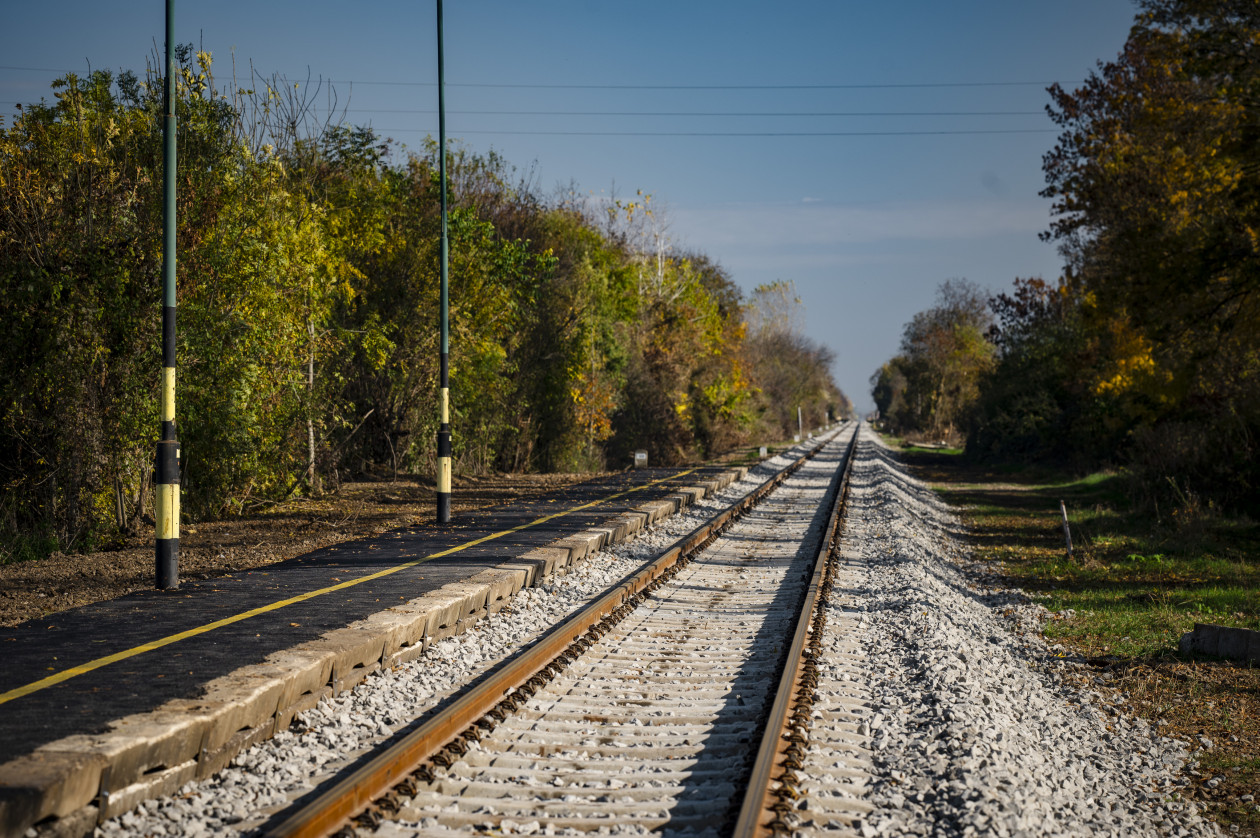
x: 816, y: 223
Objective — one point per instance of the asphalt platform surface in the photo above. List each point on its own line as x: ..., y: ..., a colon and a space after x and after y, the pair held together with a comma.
x: 86, y: 703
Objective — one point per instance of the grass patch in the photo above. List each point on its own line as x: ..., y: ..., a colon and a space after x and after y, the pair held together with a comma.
x: 918, y: 447
x: 1134, y: 585
x: 24, y: 548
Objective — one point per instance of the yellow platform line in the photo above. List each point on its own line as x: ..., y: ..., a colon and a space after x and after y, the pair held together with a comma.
x: 82, y: 669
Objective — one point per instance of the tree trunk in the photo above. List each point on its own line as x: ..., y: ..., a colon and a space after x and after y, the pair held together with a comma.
x: 310, y: 409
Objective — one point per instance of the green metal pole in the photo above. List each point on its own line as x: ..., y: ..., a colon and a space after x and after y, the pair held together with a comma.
x: 166, y: 480
x: 444, y: 384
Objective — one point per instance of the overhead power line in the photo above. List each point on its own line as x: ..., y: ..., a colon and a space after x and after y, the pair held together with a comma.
x: 723, y: 133
x: 521, y: 86
x: 703, y: 113
x: 725, y: 114
x: 880, y: 86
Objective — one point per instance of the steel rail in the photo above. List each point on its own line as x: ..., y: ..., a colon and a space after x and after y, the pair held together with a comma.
x: 757, y: 815
x: 329, y: 811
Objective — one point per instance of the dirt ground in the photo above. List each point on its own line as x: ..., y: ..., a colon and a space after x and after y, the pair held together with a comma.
x: 34, y: 588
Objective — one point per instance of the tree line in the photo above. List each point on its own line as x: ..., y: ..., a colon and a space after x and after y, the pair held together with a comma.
x: 1146, y: 352
x: 308, y: 310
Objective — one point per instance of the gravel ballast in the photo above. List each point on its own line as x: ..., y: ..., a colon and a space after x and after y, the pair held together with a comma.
x: 952, y: 716
x: 651, y: 727
x: 973, y: 728
x: 268, y: 776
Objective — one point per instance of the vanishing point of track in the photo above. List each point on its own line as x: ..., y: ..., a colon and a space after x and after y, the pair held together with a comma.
x: 675, y: 702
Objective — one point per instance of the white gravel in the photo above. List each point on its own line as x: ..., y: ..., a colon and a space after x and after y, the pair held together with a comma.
x: 265, y: 778
x: 972, y: 728
x: 649, y: 730
x: 969, y: 727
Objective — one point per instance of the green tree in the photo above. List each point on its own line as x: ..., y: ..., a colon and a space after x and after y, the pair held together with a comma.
x: 1154, y: 179
x: 307, y: 299
x: 790, y: 370
x: 945, y: 352
x: 1038, y: 402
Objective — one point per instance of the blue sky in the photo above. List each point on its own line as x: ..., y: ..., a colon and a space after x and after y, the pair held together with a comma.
x: 867, y: 216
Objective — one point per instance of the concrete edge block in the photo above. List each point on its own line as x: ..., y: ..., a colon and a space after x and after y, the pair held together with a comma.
x: 401, y: 628
x: 139, y: 745
x: 656, y: 510
x: 620, y: 527
x: 692, y: 493
x: 729, y: 476
x: 686, y: 496
x: 242, y: 699
x: 597, y: 538
x: 145, y: 752
x: 636, y: 522
x: 472, y: 596
x: 576, y: 546
x: 213, y: 761
x: 46, y: 784
x: 407, y: 654
x: 1223, y: 642
x: 354, y: 648
x: 528, y: 570
x: 156, y: 784
x: 306, y: 671
x: 709, y: 487
x: 1205, y: 639
x: 545, y: 561
x: 502, y: 583
x: 285, y: 715
x: 442, y: 607
x: 452, y: 609
x: 1232, y: 643
x: 81, y: 823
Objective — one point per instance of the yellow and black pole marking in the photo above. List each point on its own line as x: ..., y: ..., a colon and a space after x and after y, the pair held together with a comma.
x: 444, y: 452
x: 166, y: 479
x: 444, y: 384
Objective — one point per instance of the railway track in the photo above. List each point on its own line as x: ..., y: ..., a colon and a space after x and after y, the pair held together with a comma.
x: 677, y: 702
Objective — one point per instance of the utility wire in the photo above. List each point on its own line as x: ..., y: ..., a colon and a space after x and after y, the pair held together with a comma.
x: 749, y: 114
x: 708, y: 86
x: 873, y: 86
x: 704, y: 113
x: 722, y: 133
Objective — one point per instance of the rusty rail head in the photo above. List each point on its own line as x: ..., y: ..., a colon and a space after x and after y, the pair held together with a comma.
x: 332, y: 809
x: 756, y: 814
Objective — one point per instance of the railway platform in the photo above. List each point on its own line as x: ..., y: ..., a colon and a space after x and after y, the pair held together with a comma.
x: 109, y: 704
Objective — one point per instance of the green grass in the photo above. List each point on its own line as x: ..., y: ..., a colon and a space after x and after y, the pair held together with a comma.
x: 24, y: 548
x: 918, y: 449
x: 910, y: 447
x: 1136, y: 584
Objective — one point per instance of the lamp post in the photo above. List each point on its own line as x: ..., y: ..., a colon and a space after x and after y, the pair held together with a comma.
x: 166, y: 480
x: 444, y: 399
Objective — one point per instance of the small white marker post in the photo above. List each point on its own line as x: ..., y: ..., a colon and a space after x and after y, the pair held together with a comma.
x: 1067, y: 532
